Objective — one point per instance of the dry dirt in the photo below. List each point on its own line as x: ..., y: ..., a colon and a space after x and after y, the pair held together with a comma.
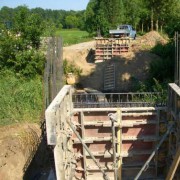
x: 17, y: 143
x: 129, y: 66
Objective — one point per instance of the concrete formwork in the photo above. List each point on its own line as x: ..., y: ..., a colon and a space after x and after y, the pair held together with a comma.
x: 87, y: 147
x: 106, y: 48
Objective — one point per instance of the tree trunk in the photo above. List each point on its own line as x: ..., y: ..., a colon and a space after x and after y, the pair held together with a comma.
x: 152, y: 19
x: 142, y: 27
x: 157, y: 25
x: 148, y: 28
x: 161, y: 28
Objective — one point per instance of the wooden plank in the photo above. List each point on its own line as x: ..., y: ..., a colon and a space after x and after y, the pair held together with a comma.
x: 175, y: 88
x: 174, y: 165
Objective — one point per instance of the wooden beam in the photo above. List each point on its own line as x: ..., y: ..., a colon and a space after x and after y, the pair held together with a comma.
x: 174, y: 165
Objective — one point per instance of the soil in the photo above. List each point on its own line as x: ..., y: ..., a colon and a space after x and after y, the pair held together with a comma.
x: 131, y: 67
x: 17, y: 143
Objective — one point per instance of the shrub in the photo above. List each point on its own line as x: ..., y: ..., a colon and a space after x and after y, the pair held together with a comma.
x: 71, y: 68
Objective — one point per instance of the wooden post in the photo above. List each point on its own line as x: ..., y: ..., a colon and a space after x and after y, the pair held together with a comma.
x: 174, y: 165
x: 119, y: 121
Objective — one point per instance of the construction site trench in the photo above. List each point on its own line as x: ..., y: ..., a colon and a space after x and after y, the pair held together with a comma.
x: 100, y: 129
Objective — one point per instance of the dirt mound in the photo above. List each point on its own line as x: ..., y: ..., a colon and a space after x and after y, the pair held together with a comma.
x: 130, y: 67
x: 81, y: 54
x: 17, y: 143
x: 151, y: 39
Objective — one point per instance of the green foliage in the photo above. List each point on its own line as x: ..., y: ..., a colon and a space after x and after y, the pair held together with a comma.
x: 19, y: 46
x: 21, y: 99
x: 73, y: 36
x: 163, y: 68
x: 103, y: 14
x: 71, y: 68
x: 71, y: 21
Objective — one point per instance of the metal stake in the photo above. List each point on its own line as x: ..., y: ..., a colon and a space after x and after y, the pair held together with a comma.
x: 87, y: 149
x: 114, y: 119
x: 154, y: 152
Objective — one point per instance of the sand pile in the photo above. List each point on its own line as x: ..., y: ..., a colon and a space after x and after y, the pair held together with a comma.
x: 152, y: 38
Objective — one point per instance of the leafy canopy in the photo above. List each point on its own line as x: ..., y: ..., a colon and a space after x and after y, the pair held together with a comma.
x: 19, y: 46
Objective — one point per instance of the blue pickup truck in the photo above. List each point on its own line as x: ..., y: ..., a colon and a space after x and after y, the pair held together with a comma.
x: 123, y: 31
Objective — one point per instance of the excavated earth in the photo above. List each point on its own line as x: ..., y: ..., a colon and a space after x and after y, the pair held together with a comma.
x: 17, y: 142
x: 130, y: 67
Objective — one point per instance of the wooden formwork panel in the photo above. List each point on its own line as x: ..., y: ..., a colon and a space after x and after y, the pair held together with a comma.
x: 138, y: 139
x: 108, y: 48
x: 96, y: 175
x: 105, y: 41
x: 138, y: 131
x: 137, y: 146
x: 130, y: 173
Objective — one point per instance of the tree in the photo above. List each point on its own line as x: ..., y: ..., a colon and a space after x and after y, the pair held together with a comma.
x: 6, y: 16
x: 71, y: 21
x: 103, y: 14
x: 19, y: 46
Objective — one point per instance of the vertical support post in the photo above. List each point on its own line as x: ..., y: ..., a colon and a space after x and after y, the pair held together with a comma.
x: 157, y: 135
x: 176, y: 66
x: 174, y: 165
x: 58, y: 150
x: 114, y: 150
x: 84, y: 151
x: 119, y: 132
x: 58, y: 154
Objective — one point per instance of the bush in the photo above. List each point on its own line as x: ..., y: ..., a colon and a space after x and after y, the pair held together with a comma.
x: 71, y: 68
x: 163, y: 68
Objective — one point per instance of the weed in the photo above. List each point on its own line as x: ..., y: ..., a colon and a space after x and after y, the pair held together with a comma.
x: 21, y: 99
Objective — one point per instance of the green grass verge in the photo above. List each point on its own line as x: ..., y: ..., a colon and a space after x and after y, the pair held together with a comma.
x: 21, y: 99
x: 73, y: 36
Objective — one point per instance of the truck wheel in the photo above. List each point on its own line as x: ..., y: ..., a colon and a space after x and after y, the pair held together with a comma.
x: 134, y: 36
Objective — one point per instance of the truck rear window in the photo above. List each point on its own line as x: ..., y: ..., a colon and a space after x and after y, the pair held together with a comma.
x: 123, y: 27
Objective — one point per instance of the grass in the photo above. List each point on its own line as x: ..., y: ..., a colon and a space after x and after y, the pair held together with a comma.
x: 21, y: 99
x: 73, y: 36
